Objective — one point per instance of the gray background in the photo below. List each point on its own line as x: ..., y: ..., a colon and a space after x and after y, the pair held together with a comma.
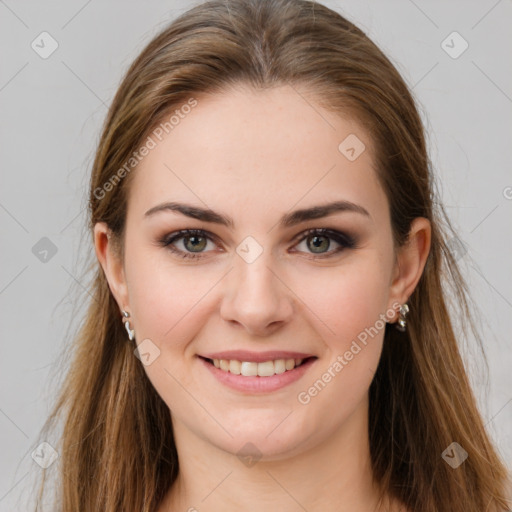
x: 51, y: 113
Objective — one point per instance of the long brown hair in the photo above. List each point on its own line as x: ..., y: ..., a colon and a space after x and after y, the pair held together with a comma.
x: 117, y: 449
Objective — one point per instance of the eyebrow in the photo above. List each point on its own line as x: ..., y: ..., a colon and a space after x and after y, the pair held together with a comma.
x: 287, y: 220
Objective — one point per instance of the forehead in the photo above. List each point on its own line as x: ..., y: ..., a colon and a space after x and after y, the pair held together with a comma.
x: 244, y: 152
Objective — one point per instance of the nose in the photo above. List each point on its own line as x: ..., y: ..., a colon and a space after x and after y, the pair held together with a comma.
x: 256, y: 298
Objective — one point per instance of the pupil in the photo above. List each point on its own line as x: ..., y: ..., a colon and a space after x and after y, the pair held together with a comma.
x: 196, y: 244
x: 318, y: 244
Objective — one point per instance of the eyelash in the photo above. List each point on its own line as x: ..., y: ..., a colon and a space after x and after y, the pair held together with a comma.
x: 346, y: 241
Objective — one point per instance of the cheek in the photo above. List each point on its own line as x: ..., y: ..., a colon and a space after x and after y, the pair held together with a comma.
x: 343, y: 302
x: 167, y: 305
x: 353, y: 334
x: 164, y: 295
x: 351, y: 312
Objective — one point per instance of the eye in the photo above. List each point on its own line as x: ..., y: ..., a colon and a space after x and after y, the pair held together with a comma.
x: 195, y: 241
x: 318, y: 241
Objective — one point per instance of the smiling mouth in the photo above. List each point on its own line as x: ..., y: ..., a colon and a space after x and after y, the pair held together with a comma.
x: 254, y: 369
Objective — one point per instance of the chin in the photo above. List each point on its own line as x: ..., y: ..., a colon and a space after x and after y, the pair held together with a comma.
x: 266, y: 437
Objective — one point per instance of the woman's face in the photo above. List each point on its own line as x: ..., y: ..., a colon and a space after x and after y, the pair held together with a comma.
x: 257, y: 291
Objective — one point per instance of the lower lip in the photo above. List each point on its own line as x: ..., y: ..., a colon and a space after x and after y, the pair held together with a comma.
x: 258, y: 384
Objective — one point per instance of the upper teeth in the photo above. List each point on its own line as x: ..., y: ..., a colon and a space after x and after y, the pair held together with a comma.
x: 251, y: 369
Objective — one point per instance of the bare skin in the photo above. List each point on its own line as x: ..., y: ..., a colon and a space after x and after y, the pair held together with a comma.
x: 256, y: 156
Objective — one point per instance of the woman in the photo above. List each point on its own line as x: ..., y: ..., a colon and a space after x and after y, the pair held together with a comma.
x: 270, y: 323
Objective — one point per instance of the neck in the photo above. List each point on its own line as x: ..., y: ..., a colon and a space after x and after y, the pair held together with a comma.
x: 334, y: 475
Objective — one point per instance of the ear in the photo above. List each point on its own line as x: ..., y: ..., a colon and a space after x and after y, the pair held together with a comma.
x: 410, y: 262
x: 111, y: 263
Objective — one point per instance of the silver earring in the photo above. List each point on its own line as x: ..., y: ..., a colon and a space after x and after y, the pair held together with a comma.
x: 401, y: 323
x: 131, y: 332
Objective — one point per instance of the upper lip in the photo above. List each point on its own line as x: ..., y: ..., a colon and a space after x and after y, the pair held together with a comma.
x: 256, y: 357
